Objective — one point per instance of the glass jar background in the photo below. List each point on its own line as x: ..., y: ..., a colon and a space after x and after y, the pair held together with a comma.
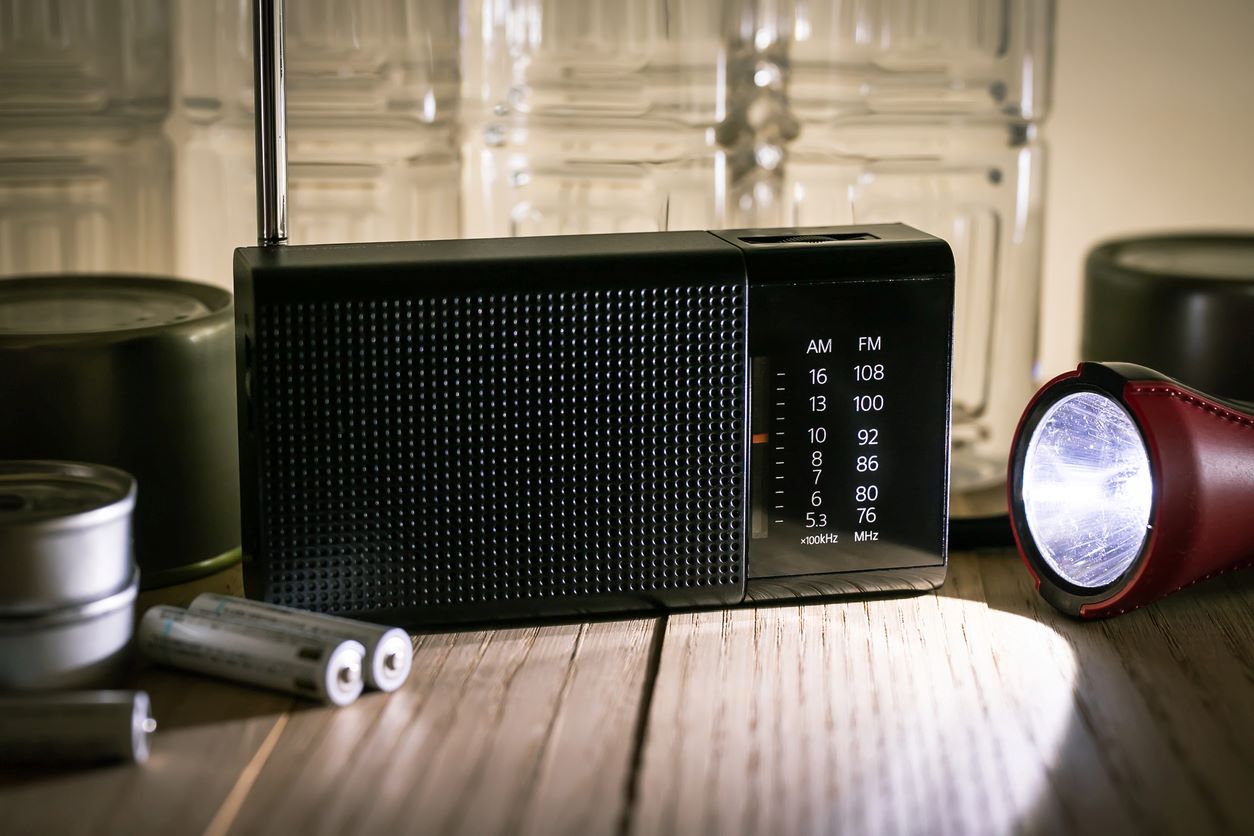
x: 434, y: 119
x: 85, y: 167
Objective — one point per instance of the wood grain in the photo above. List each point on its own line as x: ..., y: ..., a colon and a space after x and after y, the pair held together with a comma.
x: 975, y: 710
x: 517, y: 730
x: 1164, y: 709
x: 208, y: 731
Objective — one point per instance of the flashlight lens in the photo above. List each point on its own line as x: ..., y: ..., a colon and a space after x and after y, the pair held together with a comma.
x: 1087, y: 489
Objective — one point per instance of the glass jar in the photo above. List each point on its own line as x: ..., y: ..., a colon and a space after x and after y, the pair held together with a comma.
x: 85, y: 171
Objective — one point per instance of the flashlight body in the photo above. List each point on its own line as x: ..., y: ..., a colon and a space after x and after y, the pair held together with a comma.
x: 1202, y: 460
x: 1201, y: 455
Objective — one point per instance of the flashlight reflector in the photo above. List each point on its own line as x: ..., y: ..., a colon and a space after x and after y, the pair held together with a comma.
x: 1087, y: 489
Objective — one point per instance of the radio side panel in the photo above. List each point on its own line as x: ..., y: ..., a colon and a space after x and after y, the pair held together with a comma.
x: 252, y: 523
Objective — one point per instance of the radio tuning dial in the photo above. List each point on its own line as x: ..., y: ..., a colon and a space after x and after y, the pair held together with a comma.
x: 840, y: 431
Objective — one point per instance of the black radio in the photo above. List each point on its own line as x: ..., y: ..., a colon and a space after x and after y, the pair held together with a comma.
x: 464, y: 430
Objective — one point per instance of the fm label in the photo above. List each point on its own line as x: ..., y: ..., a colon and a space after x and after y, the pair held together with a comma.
x: 866, y: 406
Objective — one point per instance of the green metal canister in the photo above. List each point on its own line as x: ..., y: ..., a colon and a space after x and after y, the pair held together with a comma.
x: 136, y: 373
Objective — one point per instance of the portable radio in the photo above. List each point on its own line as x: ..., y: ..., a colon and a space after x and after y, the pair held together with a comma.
x: 466, y: 430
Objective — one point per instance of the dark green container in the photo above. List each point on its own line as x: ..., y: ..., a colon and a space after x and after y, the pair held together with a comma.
x: 1181, y: 304
x: 137, y: 373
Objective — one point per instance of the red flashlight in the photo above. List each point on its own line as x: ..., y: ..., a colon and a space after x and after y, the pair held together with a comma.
x: 1126, y: 485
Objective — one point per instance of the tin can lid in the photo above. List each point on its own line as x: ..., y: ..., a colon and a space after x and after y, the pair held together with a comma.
x: 62, y: 493
x: 1217, y: 257
x: 101, y: 304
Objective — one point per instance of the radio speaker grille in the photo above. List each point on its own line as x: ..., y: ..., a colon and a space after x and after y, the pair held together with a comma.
x: 452, y: 450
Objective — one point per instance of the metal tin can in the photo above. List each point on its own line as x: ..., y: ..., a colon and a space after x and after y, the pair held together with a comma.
x: 81, y: 646
x: 326, y: 670
x: 75, y: 727
x: 65, y: 534
x: 136, y: 373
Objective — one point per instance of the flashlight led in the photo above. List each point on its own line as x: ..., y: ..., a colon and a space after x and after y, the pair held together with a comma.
x: 1087, y: 489
x: 1126, y: 485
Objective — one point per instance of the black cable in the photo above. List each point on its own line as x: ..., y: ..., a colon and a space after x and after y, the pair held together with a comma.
x: 972, y: 533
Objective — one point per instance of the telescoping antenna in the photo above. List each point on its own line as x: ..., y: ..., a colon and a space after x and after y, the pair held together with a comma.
x: 270, y: 117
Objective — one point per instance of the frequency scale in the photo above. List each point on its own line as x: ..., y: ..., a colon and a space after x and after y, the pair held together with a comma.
x: 848, y: 405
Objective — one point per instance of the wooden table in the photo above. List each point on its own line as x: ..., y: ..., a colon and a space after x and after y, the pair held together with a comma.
x: 975, y: 709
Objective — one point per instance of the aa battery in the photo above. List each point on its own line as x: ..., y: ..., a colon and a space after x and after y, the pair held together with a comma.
x: 389, y: 652
x: 80, y: 727
x: 328, y: 670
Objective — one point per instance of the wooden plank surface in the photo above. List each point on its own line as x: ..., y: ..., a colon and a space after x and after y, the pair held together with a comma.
x: 977, y: 709
x: 208, y: 733
x: 527, y: 730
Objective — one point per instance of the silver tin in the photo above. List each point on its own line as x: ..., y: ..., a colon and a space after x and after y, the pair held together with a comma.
x: 81, y: 646
x: 75, y: 727
x: 65, y: 535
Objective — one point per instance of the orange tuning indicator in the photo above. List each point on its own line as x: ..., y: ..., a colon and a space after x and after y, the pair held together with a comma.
x: 761, y: 438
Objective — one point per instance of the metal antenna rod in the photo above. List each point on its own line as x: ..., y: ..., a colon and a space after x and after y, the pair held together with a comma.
x: 270, y: 117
